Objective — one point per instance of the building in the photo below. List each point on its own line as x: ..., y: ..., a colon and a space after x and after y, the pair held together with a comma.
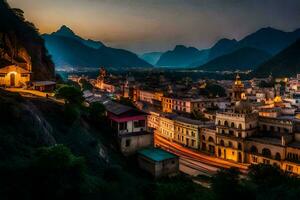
x: 172, y: 104
x: 158, y: 162
x: 232, y: 128
x: 237, y: 92
x: 15, y: 76
x: 44, y: 86
x: 130, y: 126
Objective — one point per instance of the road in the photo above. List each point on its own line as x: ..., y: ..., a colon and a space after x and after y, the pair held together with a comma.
x: 194, y: 162
x: 31, y: 93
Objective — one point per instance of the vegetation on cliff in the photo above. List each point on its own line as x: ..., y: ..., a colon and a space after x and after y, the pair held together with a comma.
x: 20, y: 42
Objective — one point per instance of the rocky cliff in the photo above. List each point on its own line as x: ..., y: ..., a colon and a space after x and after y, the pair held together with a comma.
x: 21, y: 44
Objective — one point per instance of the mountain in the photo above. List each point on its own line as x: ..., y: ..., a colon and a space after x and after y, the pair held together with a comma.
x: 68, y: 49
x: 181, y: 56
x: 270, y: 40
x: 21, y: 44
x: 242, y: 59
x: 222, y: 47
x: 67, y: 32
x: 286, y: 63
x: 151, y: 57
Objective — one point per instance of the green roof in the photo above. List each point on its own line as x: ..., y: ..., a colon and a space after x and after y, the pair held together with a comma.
x: 156, y: 154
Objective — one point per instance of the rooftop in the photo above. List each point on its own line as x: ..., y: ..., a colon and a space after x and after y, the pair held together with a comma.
x: 156, y: 154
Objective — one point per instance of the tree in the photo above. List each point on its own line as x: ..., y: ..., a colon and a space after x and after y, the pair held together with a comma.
x: 97, y: 112
x: 70, y: 94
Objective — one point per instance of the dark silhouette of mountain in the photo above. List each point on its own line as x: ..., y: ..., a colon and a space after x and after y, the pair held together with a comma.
x: 67, y: 32
x: 69, y: 50
x: 151, y: 57
x: 21, y: 44
x: 242, y: 59
x: 286, y: 63
x: 181, y: 56
x: 270, y: 40
x: 222, y: 47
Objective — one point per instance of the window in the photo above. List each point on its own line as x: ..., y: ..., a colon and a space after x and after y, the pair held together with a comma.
x: 266, y: 161
x: 239, y: 146
x: 210, y: 139
x: 2, y: 75
x: 230, y: 144
x: 253, y: 150
x: 240, y: 126
x: 225, y: 123
x: 289, y: 168
x: 203, y: 137
x: 266, y: 152
x: 222, y: 143
x: 232, y: 125
x: 277, y: 156
x: 24, y: 75
x: 219, y: 122
x: 140, y: 123
x: 127, y: 142
x: 122, y: 126
x: 254, y: 159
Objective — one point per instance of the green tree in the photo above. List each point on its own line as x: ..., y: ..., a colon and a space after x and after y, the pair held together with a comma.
x: 70, y: 94
x: 97, y: 112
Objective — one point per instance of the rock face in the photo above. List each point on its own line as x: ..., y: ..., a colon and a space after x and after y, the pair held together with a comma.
x: 21, y: 44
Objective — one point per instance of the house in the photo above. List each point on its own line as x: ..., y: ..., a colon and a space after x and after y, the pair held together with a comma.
x: 130, y: 127
x: 158, y: 162
x: 44, y: 86
x: 15, y: 76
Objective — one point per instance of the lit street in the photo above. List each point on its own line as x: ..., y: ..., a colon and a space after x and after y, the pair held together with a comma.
x: 194, y: 162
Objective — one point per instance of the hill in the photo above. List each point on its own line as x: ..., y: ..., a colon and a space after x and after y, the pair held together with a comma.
x: 21, y: 44
x: 70, y: 50
x: 181, y: 56
x: 151, y: 57
x: 222, y: 47
x: 246, y: 58
x: 286, y: 63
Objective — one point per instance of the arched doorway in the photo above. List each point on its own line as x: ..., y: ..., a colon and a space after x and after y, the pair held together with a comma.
x: 12, y: 80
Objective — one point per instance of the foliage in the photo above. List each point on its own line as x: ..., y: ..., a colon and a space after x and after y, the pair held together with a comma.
x: 85, y: 85
x: 70, y: 94
x: 97, y: 112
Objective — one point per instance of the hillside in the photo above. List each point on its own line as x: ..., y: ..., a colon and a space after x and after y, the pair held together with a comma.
x: 222, y: 47
x: 21, y: 44
x: 242, y: 59
x: 70, y: 50
x: 151, y: 57
x: 286, y: 63
x: 181, y: 56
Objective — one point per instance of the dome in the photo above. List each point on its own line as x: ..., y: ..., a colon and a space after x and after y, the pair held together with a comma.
x: 243, y: 107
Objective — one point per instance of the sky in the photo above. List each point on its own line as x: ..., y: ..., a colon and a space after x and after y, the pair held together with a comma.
x: 158, y: 25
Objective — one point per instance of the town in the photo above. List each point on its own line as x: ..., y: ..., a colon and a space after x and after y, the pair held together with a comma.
x: 255, y: 121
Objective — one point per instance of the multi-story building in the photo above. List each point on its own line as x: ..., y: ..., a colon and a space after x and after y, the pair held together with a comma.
x: 232, y: 128
x: 173, y: 104
x: 130, y: 126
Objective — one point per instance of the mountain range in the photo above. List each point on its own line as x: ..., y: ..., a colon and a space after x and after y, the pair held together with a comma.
x: 245, y: 58
x: 284, y: 64
x: 70, y: 50
x: 263, y: 42
x: 151, y: 57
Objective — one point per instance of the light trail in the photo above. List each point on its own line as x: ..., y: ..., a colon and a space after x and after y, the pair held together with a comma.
x: 205, y: 163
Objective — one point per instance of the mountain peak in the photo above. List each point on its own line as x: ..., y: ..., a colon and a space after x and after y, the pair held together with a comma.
x: 65, y: 31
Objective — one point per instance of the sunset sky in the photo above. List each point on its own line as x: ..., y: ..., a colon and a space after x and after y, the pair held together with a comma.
x: 155, y: 25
